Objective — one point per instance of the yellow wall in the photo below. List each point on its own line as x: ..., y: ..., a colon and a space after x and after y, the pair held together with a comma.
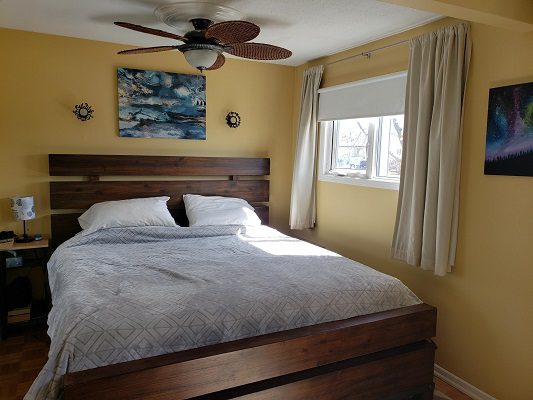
x: 42, y: 77
x: 485, y: 322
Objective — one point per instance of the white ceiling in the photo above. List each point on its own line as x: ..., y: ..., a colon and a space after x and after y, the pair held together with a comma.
x: 310, y: 28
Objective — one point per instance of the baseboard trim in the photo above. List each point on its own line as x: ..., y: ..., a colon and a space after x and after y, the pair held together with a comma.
x: 463, y: 386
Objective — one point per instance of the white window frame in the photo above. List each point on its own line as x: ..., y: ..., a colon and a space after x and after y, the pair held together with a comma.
x: 370, y: 179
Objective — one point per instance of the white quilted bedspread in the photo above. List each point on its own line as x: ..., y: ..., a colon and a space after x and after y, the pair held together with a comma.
x: 127, y: 293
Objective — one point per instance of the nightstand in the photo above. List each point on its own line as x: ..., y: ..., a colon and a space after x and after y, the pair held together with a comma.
x: 33, y: 257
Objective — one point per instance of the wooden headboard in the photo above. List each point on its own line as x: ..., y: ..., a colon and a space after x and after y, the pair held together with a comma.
x: 220, y: 176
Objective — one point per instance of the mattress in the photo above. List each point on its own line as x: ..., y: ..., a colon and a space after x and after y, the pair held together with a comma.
x: 123, y: 294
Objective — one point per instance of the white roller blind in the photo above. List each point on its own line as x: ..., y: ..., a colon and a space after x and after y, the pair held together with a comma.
x: 374, y: 97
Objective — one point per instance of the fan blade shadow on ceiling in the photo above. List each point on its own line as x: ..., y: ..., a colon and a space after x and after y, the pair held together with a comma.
x: 268, y: 23
x: 150, y: 4
x: 140, y: 19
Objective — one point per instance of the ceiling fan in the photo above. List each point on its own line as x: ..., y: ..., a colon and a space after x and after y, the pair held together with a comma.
x: 211, y: 36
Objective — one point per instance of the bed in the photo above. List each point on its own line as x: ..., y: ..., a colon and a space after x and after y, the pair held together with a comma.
x: 380, y: 353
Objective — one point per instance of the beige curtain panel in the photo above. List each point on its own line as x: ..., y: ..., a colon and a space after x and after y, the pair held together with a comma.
x: 303, y: 195
x: 425, y: 234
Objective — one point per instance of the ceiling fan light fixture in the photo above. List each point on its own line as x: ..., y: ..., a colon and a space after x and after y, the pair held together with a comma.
x: 201, y: 55
x: 201, y: 58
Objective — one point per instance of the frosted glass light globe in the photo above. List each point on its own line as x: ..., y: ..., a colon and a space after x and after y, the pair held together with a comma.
x: 201, y: 58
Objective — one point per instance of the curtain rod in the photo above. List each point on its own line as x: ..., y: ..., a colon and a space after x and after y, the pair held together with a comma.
x: 368, y: 53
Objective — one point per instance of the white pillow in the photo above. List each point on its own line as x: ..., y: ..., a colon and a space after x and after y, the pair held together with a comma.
x: 134, y: 212
x: 217, y: 210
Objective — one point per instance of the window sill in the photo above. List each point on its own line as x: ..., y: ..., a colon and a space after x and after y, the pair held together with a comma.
x: 349, y: 180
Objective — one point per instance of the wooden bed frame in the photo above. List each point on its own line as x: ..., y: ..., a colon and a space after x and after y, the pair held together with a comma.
x: 386, y: 355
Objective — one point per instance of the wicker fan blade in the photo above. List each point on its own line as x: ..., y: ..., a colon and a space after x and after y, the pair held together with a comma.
x: 150, y: 31
x: 221, y: 60
x: 148, y: 49
x: 259, y: 51
x: 232, y: 31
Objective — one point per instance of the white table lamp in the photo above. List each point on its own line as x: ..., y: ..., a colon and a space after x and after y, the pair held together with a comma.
x: 23, y: 209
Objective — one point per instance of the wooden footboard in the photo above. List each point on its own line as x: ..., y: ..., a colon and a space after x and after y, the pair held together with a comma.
x: 385, y: 355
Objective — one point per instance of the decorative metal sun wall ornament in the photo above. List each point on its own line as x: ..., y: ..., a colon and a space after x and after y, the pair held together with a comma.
x: 83, y: 111
x: 233, y: 119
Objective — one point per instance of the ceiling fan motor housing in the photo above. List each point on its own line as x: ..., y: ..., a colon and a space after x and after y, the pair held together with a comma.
x: 203, y: 46
x: 201, y: 24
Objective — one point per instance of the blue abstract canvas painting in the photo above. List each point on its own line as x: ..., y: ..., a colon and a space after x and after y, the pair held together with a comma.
x: 155, y: 104
x: 509, y: 146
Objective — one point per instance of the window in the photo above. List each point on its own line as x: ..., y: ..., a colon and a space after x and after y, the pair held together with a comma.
x: 361, y: 126
x: 365, y: 151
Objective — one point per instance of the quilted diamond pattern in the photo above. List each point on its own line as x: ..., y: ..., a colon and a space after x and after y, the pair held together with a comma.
x: 126, y: 293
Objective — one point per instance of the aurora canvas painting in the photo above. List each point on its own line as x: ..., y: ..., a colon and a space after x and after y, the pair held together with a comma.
x: 155, y: 104
x: 509, y: 145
